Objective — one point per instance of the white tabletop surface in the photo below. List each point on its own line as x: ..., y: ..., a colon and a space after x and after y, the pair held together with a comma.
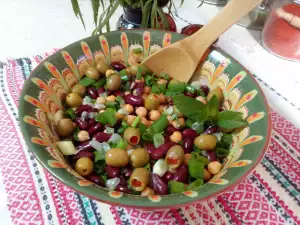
x: 30, y: 27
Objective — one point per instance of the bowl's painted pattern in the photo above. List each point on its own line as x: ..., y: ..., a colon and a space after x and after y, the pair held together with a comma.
x: 51, y: 81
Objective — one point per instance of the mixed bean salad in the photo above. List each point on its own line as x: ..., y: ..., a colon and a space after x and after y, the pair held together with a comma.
x: 129, y: 130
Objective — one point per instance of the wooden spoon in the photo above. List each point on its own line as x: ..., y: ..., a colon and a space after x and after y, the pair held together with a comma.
x: 181, y: 59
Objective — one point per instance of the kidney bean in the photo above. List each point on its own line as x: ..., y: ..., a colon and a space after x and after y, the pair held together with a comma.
x: 112, y: 172
x: 118, y: 93
x: 94, y: 129
x: 158, y: 184
x: 92, y: 121
x: 118, y: 66
x: 212, y: 130
x: 205, y: 89
x: 93, y: 177
x: 170, y: 102
x: 171, y: 129
x: 84, y: 146
x: 123, y: 189
x: 102, y: 137
x: 150, y: 148
x: 127, y: 171
x: 188, y: 144
x: 92, y: 92
x: 139, y: 88
x: 189, y: 94
x: 189, y: 133
x: 212, y: 156
x: 100, y: 91
x: 92, y: 110
x: 123, y: 181
x: 181, y: 174
x: 168, y: 176
x: 134, y: 100
x: 161, y: 151
x: 81, y: 109
x: 83, y: 125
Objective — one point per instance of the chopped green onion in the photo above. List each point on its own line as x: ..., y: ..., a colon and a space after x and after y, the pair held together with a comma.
x: 70, y: 113
x: 75, y: 133
x: 142, y: 128
x: 200, y: 158
x: 139, y: 73
x: 190, y: 89
x: 189, y: 123
x: 197, y: 183
x: 136, y: 121
x: 123, y: 73
x: 99, y: 165
x: 104, y: 177
x: 86, y: 81
x: 99, y: 83
x: 112, y: 105
x: 121, y: 144
x: 196, y: 168
x: 222, y: 153
x: 148, y: 137
x: 174, y: 117
x: 121, y: 130
x: 120, y: 100
x: 159, y: 125
x: 158, y: 140
x: 176, y: 86
x: 176, y: 187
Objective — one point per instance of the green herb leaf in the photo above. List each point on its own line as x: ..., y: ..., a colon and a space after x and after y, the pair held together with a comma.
x: 99, y: 83
x: 148, y: 137
x: 200, y: 158
x: 142, y: 128
x: 70, y: 113
x: 176, y: 187
x: 112, y: 105
x: 226, y: 140
x: 189, y: 107
x: 123, y: 72
x: 202, y: 116
x: 196, y: 168
x: 231, y: 120
x: 197, y: 183
x: 198, y: 127
x: 99, y: 166
x: 222, y: 153
x: 158, y: 88
x: 99, y: 156
x: 120, y: 100
x: 107, y: 117
x: 176, y: 86
x: 149, y: 80
x: 86, y: 81
x: 121, y: 144
x: 75, y: 133
x: 213, y: 108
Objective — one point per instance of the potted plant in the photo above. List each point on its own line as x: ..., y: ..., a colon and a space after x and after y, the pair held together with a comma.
x: 137, y: 14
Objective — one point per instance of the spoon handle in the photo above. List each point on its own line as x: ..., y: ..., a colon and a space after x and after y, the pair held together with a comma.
x: 229, y: 15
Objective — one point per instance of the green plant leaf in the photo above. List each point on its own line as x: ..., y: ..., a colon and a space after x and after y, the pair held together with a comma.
x: 110, y: 11
x: 163, y: 18
x: 213, y: 108
x: 154, y: 14
x: 231, y: 120
x: 146, y: 10
x: 107, y: 117
x: 197, y: 183
x: 226, y: 140
x: 222, y: 153
x: 77, y: 11
x: 175, y: 187
x: 95, y: 6
x: 202, y: 116
x: 196, y: 168
x: 189, y: 107
x: 99, y: 166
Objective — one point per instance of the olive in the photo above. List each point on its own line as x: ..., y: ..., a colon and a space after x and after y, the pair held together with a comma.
x: 102, y: 66
x: 217, y: 92
x: 65, y: 127
x: 114, y: 82
x: 152, y: 102
x: 93, y: 73
x: 139, y: 179
x: 132, y: 135
x: 79, y: 89
x: 139, y: 157
x: 133, y: 70
x: 84, y: 166
x: 73, y: 100
x: 116, y: 157
x: 175, y: 156
x: 206, y: 142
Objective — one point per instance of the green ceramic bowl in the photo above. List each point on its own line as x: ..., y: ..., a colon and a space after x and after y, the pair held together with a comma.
x: 43, y: 91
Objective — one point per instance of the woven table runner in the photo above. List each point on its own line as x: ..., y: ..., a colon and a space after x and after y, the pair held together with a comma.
x: 270, y: 195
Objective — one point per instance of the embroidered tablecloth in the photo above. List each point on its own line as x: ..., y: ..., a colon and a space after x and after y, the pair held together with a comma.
x: 270, y: 195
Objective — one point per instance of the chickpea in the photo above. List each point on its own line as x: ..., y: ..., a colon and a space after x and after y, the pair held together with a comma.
x: 65, y: 127
x: 79, y: 89
x: 73, y: 100
x: 83, y: 136
x: 206, y: 142
x: 111, y: 98
x: 187, y: 158
x: 162, y: 99
x: 154, y: 115
x: 147, y: 192
x: 176, y: 137
x: 129, y: 119
x: 101, y: 100
x: 147, y: 90
x: 109, y: 72
x: 161, y: 108
x: 84, y: 166
x: 129, y: 108
x: 141, y: 111
x: 201, y: 99
x: 207, y: 175
x: 93, y: 73
x: 179, y: 123
x: 214, y: 167
x: 119, y: 116
x: 116, y: 157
